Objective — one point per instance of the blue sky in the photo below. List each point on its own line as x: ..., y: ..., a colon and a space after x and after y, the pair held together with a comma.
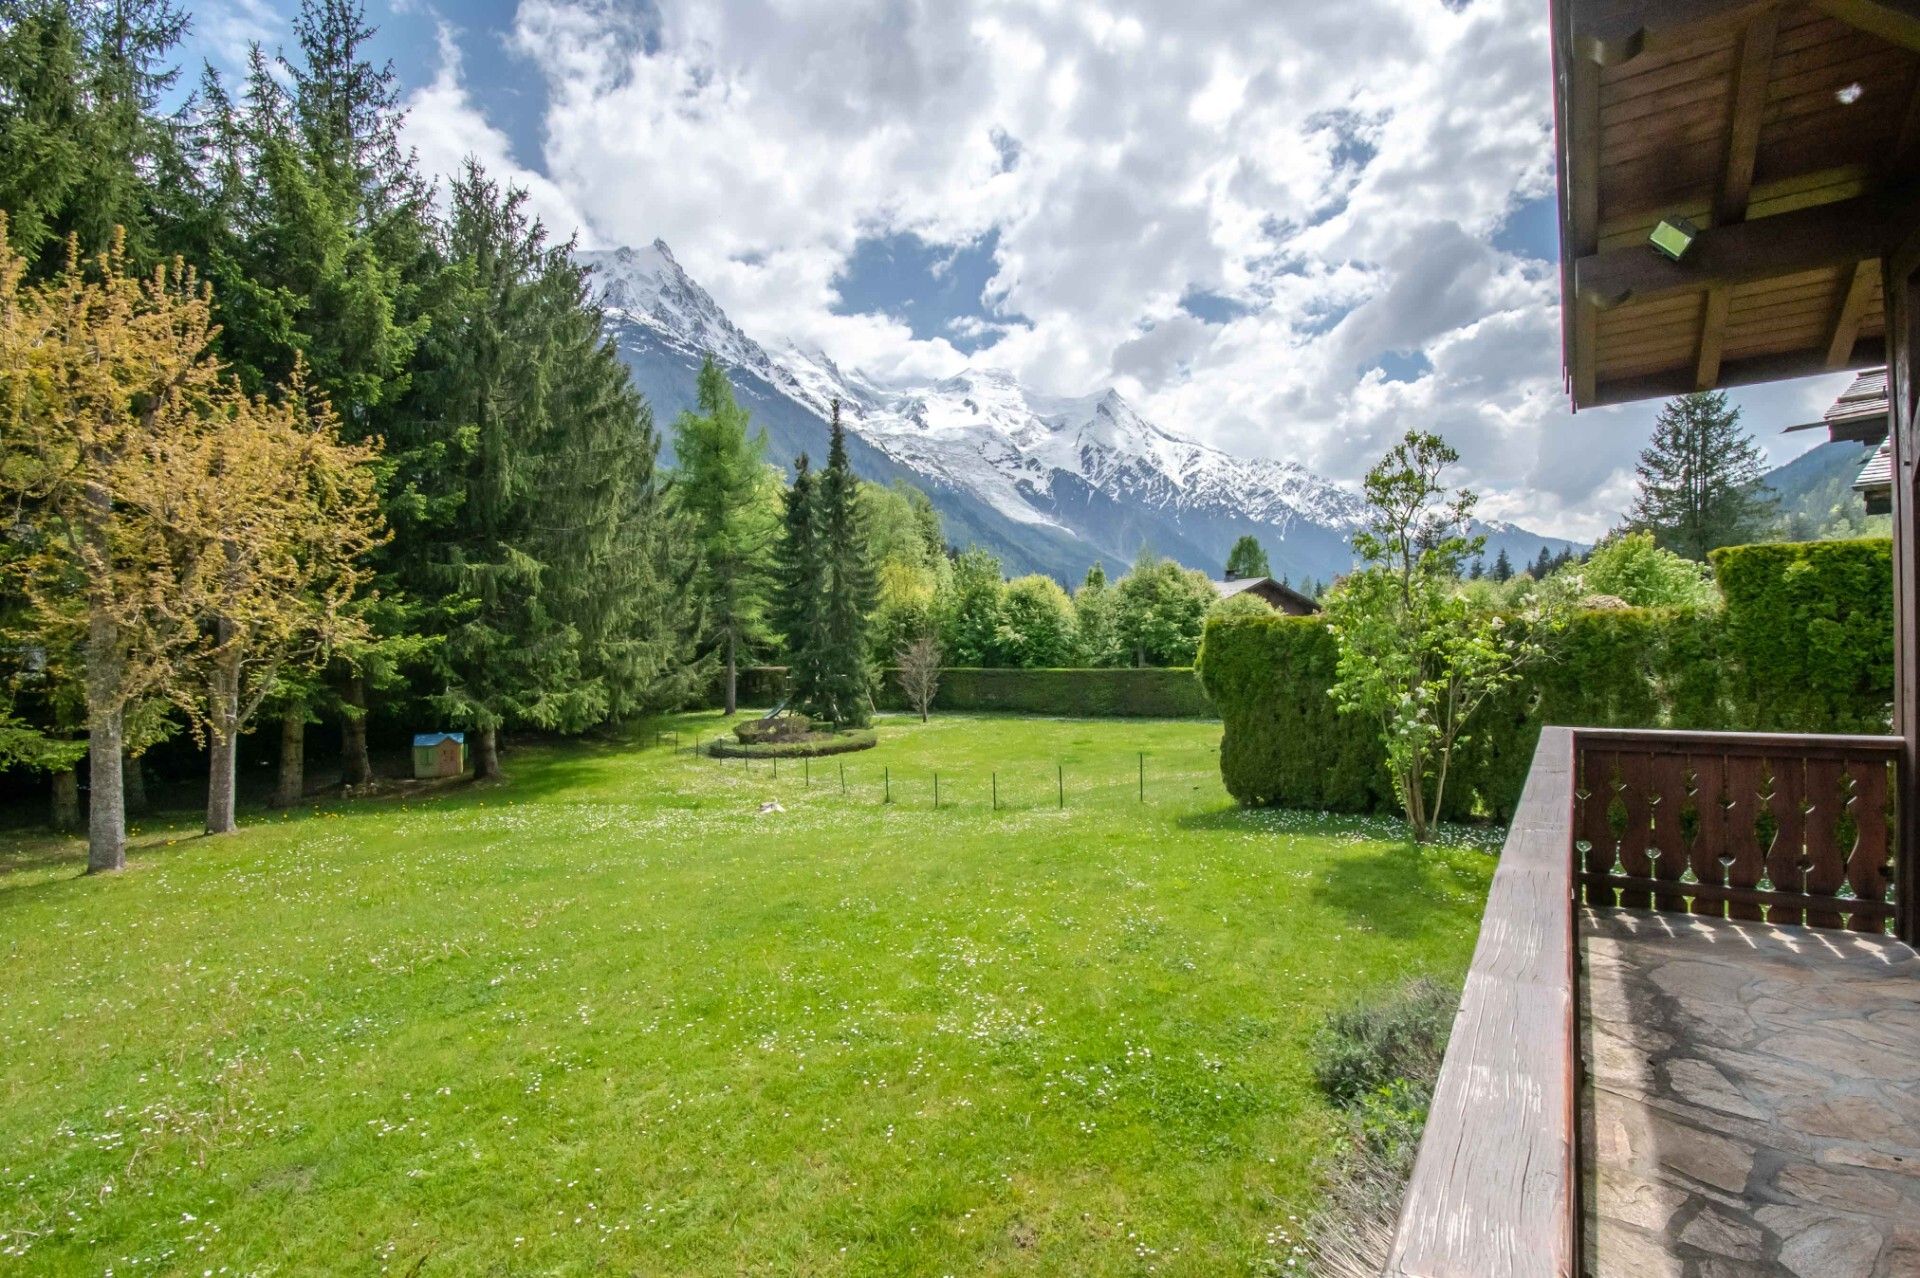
x: 1291, y: 231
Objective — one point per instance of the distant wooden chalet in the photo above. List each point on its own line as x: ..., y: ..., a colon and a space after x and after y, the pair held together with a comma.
x: 1739, y: 191
x: 1276, y: 595
x: 1859, y: 416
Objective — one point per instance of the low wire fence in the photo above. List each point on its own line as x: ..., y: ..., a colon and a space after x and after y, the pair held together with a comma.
x: 1022, y: 784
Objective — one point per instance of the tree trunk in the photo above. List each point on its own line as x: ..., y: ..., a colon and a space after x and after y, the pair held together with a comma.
x: 355, y: 767
x: 291, y: 786
x: 733, y: 678
x: 106, y: 810
x: 486, y: 754
x: 223, y: 708
x: 134, y: 782
x: 66, y: 801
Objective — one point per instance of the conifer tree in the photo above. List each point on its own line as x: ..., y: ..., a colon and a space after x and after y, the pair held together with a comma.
x: 720, y: 471
x: 82, y: 143
x: 848, y: 586
x: 1502, y: 567
x: 1096, y: 623
x: 797, y: 613
x: 1542, y: 565
x: 1700, y: 478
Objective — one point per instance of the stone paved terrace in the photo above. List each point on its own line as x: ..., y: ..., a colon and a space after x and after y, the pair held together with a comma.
x: 1752, y: 1100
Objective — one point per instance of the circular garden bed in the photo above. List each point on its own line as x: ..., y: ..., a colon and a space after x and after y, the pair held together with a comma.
x: 789, y: 737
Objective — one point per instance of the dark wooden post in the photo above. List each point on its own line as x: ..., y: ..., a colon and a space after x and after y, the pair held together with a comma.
x: 1897, y: 286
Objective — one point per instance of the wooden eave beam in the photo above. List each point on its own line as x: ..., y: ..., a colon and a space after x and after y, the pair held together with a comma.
x: 1867, y: 352
x: 1895, y: 21
x: 1842, y: 233
x: 1744, y: 115
x: 1852, y: 309
x: 1609, y: 32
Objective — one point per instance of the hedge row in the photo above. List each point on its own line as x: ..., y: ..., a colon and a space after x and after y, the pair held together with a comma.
x: 1152, y: 693
x: 1803, y: 644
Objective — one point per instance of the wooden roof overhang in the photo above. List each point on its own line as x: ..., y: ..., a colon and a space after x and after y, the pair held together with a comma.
x: 1788, y: 132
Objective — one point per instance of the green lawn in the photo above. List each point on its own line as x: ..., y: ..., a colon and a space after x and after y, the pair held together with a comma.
x: 610, y: 1015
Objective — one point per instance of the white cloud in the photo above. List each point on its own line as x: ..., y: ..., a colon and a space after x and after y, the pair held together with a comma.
x: 1341, y: 169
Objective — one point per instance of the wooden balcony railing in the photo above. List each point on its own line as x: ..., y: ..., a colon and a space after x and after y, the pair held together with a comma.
x: 1767, y: 828
x: 1780, y: 829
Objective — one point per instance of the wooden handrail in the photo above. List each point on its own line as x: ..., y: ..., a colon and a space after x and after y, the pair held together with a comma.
x: 1493, y: 1192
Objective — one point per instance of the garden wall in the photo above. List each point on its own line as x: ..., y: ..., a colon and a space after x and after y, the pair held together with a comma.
x: 1803, y: 644
x: 1153, y: 693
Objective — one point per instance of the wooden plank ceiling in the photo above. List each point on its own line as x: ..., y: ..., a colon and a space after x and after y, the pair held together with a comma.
x: 1789, y: 133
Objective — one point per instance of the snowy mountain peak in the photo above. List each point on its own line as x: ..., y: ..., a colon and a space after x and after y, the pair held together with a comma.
x: 1087, y: 471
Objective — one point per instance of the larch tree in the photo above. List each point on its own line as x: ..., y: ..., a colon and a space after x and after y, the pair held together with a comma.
x: 1699, y: 480
x: 1248, y: 558
x: 720, y: 473
x: 295, y: 514
x: 109, y: 396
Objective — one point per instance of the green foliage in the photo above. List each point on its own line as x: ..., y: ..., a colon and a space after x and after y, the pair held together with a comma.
x: 1700, y: 478
x: 1248, y: 558
x: 1036, y: 624
x: 842, y: 685
x: 970, y: 612
x: 1419, y: 656
x: 1096, y: 622
x: 1809, y: 633
x: 1160, y: 612
x: 1631, y: 567
x: 1286, y: 743
x: 1804, y: 644
x: 1244, y: 604
x: 1149, y: 693
x: 814, y: 745
x: 1376, y: 1042
x: 721, y: 484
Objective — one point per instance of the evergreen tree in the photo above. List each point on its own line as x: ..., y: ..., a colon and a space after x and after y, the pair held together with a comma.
x: 1502, y: 566
x: 721, y: 470
x: 1248, y: 558
x: 1478, y: 570
x: 1700, y: 478
x: 844, y: 694
x: 82, y: 142
x: 798, y: 611
x: 552, y: 574
x: 1542, y: 565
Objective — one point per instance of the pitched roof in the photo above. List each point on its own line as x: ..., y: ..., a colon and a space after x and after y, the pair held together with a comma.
x: 1878, y: 472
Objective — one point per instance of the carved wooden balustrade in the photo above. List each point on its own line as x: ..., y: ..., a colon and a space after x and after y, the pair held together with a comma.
x: 1766, y: 828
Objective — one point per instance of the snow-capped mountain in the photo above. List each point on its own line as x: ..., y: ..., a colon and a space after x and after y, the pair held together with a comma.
x: 1050, y: 484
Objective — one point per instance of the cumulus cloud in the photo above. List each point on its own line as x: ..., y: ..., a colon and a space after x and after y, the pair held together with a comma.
x: 1338, y: 171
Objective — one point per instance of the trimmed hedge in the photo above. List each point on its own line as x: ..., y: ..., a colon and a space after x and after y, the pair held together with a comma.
x: 1151, y: 693
x: 1285, y: 742
x: 1155, y: 692
x: 1804, y: 644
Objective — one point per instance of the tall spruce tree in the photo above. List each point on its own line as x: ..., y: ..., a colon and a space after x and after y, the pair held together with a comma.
x: 720, y: 469
x: 82, y: 140
x: 798, y: 612
x: 1700, y: 478
x: 848, y: 586
x: 551, y: 574
x: 1502, y: 566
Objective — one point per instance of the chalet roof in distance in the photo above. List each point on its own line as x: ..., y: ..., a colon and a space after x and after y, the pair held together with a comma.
x: 1280, y: 597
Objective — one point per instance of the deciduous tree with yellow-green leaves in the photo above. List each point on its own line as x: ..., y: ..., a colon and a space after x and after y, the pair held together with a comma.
x: 179, y: 526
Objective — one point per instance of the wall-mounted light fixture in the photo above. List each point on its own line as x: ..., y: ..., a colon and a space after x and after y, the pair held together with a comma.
x: 1674, y: 236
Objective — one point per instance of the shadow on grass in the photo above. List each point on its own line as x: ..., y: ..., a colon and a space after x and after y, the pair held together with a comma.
x: 1398, y: 890
x: 38, y: 862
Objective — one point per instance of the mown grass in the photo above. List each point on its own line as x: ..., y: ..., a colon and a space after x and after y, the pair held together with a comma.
x: 609, y: 1015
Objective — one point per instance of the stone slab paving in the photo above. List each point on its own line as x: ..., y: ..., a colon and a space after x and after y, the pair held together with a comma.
x: 1751, y: 1103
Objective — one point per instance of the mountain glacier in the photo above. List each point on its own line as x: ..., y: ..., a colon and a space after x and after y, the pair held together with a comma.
x: 1050, y: 484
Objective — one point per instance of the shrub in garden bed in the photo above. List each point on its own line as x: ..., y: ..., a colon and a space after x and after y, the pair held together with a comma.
x: 1377, y: 1060
x: 814, y: 744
